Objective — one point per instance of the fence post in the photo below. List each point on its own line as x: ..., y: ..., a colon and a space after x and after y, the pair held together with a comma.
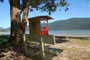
x: 42, y: 53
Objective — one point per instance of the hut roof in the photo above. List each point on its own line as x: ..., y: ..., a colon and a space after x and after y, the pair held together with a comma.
x: 41, y: 17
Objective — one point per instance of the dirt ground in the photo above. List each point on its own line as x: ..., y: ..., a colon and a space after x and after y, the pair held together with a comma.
x: 73, y: 49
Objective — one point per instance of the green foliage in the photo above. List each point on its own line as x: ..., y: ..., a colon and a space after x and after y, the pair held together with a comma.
x: 47, y: 5
x: 4, y: 44
x: 1, y: 0
x: 3, y: 39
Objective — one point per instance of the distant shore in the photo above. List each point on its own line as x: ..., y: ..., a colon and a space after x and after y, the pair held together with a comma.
x: 4, y: 33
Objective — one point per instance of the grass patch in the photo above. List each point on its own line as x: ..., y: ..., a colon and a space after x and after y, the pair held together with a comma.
x: 78, y: 55
x: 75, y: 49
x: 4, y: 38
x: 4, y: 45
x: 83, y: 42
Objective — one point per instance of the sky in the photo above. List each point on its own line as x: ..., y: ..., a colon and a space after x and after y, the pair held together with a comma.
x: 77, y: 9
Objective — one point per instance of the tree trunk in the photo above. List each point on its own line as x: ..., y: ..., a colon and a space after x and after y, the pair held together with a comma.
x: 17, y: 27
x: 24, y: 22
x: 25, y: 15
x: 15, y: 22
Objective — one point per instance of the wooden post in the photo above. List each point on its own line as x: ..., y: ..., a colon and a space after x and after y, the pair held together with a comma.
x: 25, y: 46
x: 67, y: 38
x: 42, y: 49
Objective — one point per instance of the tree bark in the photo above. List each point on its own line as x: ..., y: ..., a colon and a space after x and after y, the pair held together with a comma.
x: 15, y: 22
x: 24, y: 22
x: 25, y: 15
x: 18, y: 27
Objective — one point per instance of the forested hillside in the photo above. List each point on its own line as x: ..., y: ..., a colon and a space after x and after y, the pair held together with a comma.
x: 71, y: 24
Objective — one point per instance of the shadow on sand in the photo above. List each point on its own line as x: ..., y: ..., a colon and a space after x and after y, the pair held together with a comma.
x: 61, y: 40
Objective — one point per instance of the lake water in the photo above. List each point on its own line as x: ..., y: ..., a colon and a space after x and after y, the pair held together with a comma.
x: 4, y: 33
x: 76, y: 33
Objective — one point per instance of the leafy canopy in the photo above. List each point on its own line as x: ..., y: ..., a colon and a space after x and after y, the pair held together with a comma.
x: 1, y: 0
x: 45, y: 5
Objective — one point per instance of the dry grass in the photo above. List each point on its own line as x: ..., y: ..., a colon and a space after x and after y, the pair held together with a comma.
x: 85, y: 42
x: 74, y: 49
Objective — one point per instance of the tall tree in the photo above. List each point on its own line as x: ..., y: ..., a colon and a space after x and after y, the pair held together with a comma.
x: 18, y: 23
x: 18, y: 26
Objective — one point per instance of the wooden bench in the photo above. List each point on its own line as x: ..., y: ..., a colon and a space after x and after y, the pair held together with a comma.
x: 49, y: 52
x: 46, y: 53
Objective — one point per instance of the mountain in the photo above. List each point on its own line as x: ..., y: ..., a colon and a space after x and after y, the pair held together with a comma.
x: 68, y: 24
x: 71, y: 24
x: 1, y: 28
x: 4, y: 30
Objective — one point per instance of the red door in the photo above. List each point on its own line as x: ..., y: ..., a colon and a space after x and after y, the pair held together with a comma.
x: 44, y: 27
x: 44, y: 31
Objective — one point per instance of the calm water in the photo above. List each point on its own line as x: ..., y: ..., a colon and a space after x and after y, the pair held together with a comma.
x: 4, y: 33
x: 77, y: 33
